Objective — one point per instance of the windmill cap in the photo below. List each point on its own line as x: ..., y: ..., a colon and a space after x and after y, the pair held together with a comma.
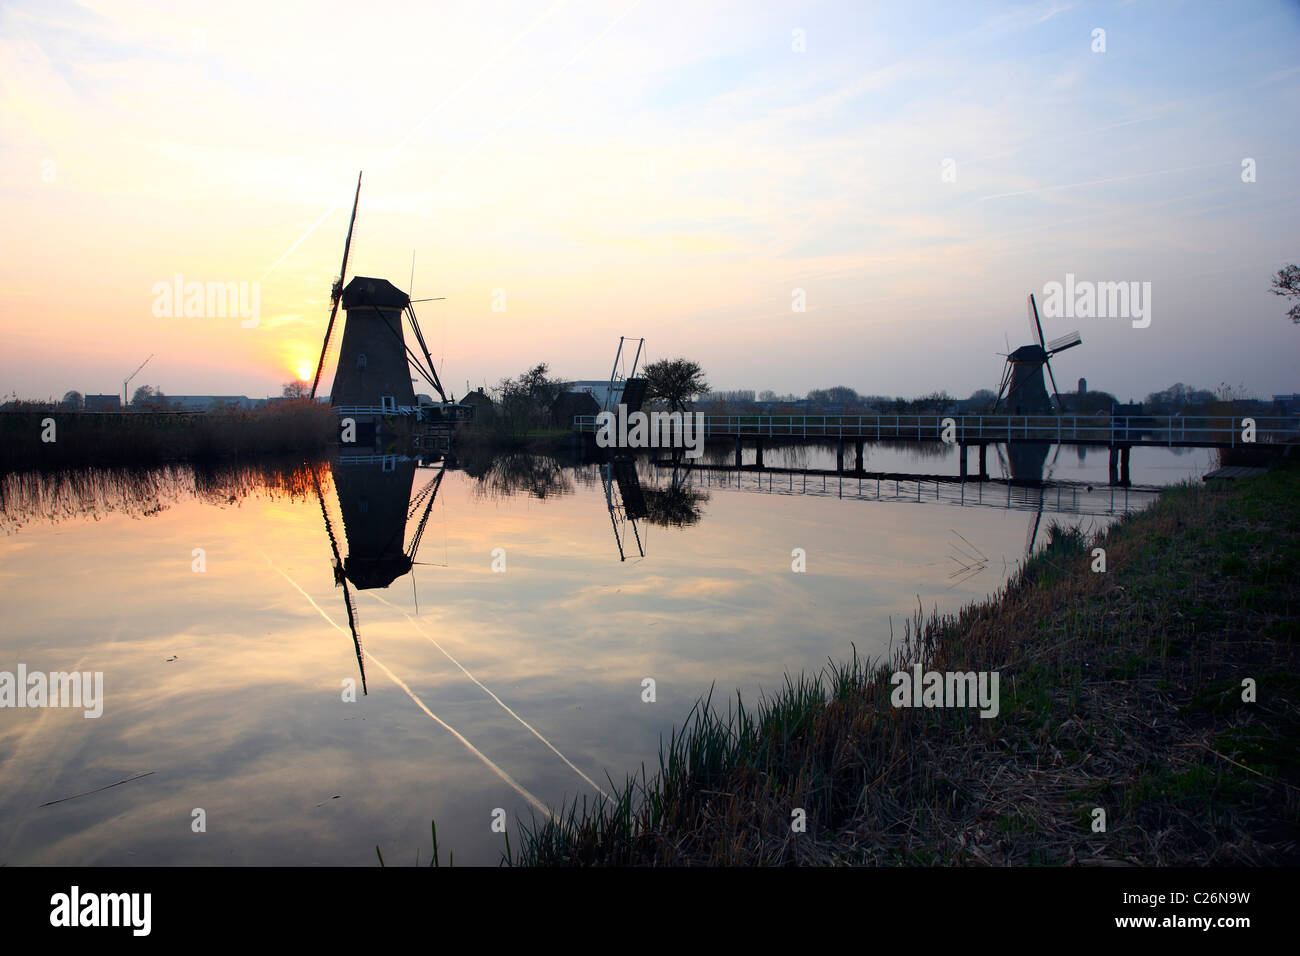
x: 1028, y: 353
x: 364, y: 291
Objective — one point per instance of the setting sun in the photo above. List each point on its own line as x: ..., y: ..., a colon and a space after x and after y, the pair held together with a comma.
x: 304, y: 372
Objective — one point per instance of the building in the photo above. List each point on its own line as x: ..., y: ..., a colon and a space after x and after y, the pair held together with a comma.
x: 103, y: 403
x: 481, y: 402
x: 569, y: 405
x: 606, y: 394
x: 207, y: 403
x: 1282, y: 404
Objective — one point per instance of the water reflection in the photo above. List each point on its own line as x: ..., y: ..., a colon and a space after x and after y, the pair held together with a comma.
x: 226, y: 683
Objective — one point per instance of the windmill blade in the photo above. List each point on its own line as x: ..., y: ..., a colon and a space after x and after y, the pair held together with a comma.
x: 1068, y: 341
x: 1035, y: 325
x: 1033, y: 528
x: 1048, y: 364
x: 1002, y: 387
x: 337, y: 292
x: 341, y: 578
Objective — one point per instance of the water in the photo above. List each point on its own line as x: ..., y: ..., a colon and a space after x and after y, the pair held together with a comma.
x: 211, y: 605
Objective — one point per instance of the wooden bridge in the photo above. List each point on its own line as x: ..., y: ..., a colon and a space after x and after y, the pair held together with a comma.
x: 1118, y: 433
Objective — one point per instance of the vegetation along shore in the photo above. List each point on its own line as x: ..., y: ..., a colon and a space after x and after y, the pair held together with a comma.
x: 1162, y: 692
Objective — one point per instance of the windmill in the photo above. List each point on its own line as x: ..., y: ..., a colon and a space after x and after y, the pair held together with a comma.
x: 1022, y: 379
x: 375, y: 362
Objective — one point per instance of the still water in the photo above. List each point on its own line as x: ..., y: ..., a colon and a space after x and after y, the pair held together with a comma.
x: 498, y: 623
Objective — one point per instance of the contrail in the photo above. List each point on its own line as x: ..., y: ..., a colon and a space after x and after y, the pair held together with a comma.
x: 419, y: 703
x: 1098, y: 182
x: 485, y: 689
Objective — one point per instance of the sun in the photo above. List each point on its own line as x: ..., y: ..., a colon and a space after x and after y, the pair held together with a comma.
x: 304, y: 372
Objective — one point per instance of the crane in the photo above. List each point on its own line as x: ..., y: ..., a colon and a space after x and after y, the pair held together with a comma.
x: 127, y: 381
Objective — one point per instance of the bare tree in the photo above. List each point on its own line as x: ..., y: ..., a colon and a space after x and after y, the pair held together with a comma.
x: 676, y: 381
x: 1287, y: 283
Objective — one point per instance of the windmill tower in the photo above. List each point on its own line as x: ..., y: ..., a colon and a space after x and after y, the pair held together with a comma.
x: 373, y: 359
x: 1022, y: 386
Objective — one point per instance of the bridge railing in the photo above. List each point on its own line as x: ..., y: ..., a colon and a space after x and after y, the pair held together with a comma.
x: 971, y: 429
x: 375, y: 410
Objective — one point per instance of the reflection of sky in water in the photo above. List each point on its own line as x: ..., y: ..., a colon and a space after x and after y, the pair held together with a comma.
x: 248, y: 722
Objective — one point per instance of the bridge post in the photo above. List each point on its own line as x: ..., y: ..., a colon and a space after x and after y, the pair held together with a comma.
x: 1123, y: 465
x: 1114, y: 464
x: 737, y: 451
x: 984, y: 471
x: 759, y: 450
x: 858, y: 457
x: 961, y: 456
x: 839, y: 456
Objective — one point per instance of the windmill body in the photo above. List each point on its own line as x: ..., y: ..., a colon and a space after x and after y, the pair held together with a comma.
x: 1027, y: 391
x: 373, y: 366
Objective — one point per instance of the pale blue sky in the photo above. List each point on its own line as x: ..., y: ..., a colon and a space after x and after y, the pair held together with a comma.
x: 667, y: 170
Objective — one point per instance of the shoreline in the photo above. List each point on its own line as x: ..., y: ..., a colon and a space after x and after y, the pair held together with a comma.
x: 1121, y: 692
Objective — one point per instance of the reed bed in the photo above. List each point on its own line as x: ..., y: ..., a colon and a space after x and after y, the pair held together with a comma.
x: 1120, y: 691
x: 299, y: 428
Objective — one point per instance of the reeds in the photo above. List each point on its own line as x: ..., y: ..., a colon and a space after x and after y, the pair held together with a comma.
x: 140, y: 438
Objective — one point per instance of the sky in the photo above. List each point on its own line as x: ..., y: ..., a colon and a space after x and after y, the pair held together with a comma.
x: 564, y: 173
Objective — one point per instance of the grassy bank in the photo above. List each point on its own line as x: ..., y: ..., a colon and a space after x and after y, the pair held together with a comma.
x: 142, y: 438
x: 1119, y: 691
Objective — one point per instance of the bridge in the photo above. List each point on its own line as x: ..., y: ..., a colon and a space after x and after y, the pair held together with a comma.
x: 1118, y: 433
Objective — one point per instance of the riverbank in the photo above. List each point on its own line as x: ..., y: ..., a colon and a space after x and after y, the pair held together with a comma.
x: 1163, y: 692
x: 45, y: 440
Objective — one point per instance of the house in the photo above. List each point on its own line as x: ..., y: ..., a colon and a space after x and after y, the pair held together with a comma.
x: 569, y: 405
x: 103, y: 403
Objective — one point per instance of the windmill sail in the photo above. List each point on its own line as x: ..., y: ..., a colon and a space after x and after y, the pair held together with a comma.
x: 337, y: 292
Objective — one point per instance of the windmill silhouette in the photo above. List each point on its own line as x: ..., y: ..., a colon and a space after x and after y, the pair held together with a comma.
x: 376, y: 554
x: 1022, y: 384
x: 374, y: 362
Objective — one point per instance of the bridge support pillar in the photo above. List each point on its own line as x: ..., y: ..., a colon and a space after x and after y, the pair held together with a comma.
x: 1123, y: 465
x: 839, y: 456
x: 859, y: 459
x: 1114, y: 464
x: 758, y: 448
x: 737, y: 451
x: 961, y: 457
x: 984, y: 470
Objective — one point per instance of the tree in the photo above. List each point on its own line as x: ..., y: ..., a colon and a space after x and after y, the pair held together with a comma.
x: 1287, y: 283
x: 675, y: 381
x: 73, y: 399
x: 295, y: 390
x: 525, y: 402
x: 148, y: 395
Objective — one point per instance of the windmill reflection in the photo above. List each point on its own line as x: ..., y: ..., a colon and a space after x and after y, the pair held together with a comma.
x: 374, y: 497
